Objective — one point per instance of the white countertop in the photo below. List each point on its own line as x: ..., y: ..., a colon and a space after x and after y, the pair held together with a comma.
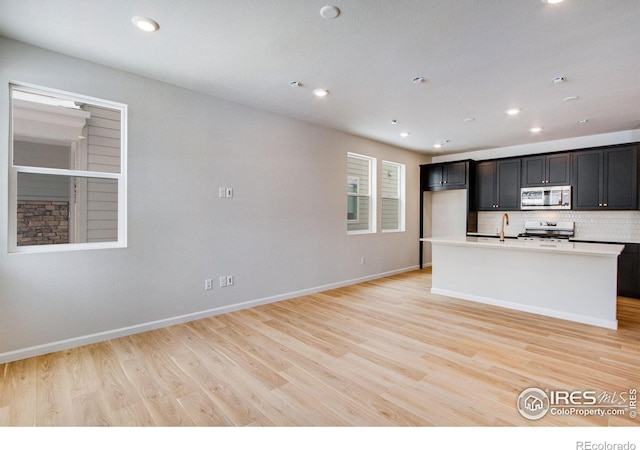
x: 583, y: 248
x: 572, y: 239
x: 605, y: 241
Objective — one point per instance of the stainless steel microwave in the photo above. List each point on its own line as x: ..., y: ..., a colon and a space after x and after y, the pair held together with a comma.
x: 548, y: 197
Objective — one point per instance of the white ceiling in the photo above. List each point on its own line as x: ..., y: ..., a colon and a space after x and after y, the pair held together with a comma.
x: 478, y: 58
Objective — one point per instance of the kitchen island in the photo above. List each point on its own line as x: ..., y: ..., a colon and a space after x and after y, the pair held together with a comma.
x: 568, y: 280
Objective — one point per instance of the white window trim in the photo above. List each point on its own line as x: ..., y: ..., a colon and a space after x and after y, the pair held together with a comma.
x: 121, y: 242
x: 373, y: 183
x: 402, y: 186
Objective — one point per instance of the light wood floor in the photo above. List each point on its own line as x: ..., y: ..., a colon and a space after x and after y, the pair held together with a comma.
x: 381, y: 353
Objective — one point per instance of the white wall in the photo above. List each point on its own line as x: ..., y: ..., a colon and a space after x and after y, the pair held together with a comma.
x: 449, y: 213
x: 283, y: 233
x: 445, y: 215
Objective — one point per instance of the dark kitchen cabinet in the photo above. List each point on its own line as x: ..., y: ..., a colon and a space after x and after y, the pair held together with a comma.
x: 497, y: 185
x: 606, y: 178
x: 629, y: 271
x: 445, y: 176
x: 546, y: 170
x: 442, y: 177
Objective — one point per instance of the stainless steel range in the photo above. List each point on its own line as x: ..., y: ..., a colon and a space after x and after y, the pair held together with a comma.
x: 548, y: 231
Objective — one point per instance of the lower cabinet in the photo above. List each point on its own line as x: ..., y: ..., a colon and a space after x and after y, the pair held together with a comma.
x: 629, y: 271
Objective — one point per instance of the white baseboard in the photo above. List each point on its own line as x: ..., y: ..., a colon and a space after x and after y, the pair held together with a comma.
x: 613, y: 325
x: 65, y: 344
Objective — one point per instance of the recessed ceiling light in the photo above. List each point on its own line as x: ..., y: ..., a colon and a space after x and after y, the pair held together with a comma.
x: 582, y: 121
x: 145, y: 24
x: 418, y: 80
x: 320, y: 92
x: 404, y: 134
x: 513, y: 111
x: 295, y: 84
x: 557, y: 80
x: 552, y: 2
x: 394, y: 122
x: 571, y: 98
x: 329, y: 12
x: 535, y: 129
x: 437, y: 145
x: 469, y: 119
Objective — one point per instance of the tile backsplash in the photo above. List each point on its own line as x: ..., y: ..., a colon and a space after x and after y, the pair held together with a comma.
x: 610, y: 226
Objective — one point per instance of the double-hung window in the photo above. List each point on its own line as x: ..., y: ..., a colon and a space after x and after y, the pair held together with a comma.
x: 393, y: 196
x: 67, y: 171
x: 361, y: 194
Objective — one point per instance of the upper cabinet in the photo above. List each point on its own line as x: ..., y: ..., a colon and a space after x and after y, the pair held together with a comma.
x: 445, y: 176
x: 546, y: 170
x: 603, y: 178
x: 497, y: 185
x: 606, y: 178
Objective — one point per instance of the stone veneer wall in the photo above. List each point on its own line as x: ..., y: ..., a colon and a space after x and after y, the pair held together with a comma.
x: 609, y: 226
x: 43, y: 222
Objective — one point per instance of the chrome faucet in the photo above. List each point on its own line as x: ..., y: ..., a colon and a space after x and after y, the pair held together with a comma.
x: 505, y: 216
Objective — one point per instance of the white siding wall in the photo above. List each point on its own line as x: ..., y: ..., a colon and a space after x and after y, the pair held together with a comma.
x: 359, y: 168
x: 103, y: 155
x: 390, y: 197
x: 32, y: 186
x: 42, y: 187
x: 41, y: 155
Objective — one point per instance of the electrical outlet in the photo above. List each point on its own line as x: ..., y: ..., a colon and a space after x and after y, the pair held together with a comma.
x: 208, y: 284
x: 229, y: 280
x: 223, y: 281
x: 222, y: 192
x: 229, y: 192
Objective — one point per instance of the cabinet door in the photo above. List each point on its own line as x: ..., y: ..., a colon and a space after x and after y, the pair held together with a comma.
x: 620, y: 178
x: 558, y: 169
x: 508, y: 184
x: 533, y: 171
x: 455, y: 175
x: 629, y: 271
x: 587, y: 179
x: 486, y: 186
x: 546, y: 170
x: 434, y: 176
